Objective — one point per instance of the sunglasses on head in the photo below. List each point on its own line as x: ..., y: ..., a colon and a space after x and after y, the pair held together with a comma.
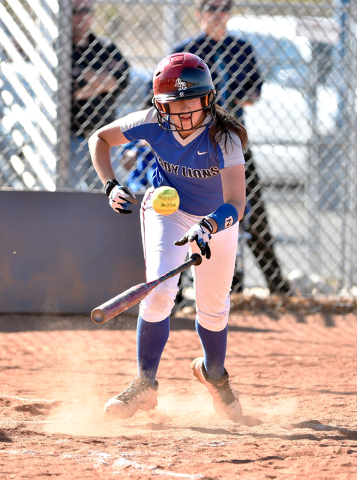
x: 81, y: 10
x: 214, y: 8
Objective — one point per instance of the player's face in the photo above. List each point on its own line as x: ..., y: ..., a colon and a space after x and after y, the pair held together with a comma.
x: 181, y: 114
x: 214, y: 17
x: 82, y: 18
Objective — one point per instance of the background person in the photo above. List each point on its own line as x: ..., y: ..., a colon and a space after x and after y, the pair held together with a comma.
x: 198, y: 148
x: 99, y: 74
x: 238, y: 83
x: 139, y: 160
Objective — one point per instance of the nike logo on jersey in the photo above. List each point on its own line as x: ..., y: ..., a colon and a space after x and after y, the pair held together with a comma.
x: 201, y: 153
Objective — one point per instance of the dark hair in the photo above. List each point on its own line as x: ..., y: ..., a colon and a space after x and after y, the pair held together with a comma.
x: 223, y: 125
x: 200, y: 4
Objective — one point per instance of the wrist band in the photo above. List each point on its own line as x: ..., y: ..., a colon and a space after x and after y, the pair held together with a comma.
x: 110, y: 185
x: 205, y: 223
x: 225, y: 216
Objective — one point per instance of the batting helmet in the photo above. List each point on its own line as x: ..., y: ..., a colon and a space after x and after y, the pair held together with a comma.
x: 182, y: 76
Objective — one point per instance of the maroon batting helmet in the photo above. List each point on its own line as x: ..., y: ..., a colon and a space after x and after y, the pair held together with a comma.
x: 182, y: 76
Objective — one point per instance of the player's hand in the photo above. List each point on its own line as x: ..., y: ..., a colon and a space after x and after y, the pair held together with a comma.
x: 201, y: 234
x: 120, y: 198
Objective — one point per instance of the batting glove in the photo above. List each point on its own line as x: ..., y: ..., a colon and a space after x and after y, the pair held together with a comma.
x: 120, y: 198
x: 201, y: 234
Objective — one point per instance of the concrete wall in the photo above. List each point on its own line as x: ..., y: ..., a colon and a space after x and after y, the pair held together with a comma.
x: 65, y: 252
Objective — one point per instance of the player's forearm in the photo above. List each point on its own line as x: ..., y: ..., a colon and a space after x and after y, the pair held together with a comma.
x: 85, y: 92
x: 233, y: 182
x: 100, y: 144
x: 100, y: 155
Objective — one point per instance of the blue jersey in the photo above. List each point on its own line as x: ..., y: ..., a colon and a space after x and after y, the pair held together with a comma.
x: 190, y: 165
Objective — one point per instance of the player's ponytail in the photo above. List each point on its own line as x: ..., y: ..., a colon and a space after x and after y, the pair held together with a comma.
x: 223, y: 125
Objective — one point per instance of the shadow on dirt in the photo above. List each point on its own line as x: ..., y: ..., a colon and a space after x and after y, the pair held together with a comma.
x: 336, y: 393
x: 279, y: 388
x: 240, y: 462
x: 318, y: 426
x: 344, y: 433
x: 4, y: 437
x: 11, y: 323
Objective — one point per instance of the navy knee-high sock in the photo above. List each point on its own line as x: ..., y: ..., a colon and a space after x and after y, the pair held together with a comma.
x: 214, y: 348
x: 151, y: 340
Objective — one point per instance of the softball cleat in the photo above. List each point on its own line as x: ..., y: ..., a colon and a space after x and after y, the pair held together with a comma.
x: 225, y: 401
x: 139, y: 396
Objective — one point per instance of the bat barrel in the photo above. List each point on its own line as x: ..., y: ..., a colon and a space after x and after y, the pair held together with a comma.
x: 98, y: 316
x: 120, y: 303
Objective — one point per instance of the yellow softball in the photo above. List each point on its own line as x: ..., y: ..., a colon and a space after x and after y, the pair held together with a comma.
x: 165, y: 200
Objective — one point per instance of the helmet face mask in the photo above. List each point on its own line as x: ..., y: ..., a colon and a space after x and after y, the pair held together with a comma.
x: 163, y: 110
x: 182, y: 76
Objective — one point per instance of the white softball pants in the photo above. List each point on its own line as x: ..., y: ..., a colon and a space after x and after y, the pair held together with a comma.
x: 212, y: 279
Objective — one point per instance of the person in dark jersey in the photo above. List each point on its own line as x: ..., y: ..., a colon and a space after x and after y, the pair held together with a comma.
x: 99, y: 74
x: 238, y: 83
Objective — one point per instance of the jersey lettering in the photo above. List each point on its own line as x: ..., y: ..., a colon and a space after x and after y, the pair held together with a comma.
x: 199, y: 173
x: 187, y: 172
x: 214, y: 170
x: 175, y: 169
x: 169, y: 167
x: 206, y: 173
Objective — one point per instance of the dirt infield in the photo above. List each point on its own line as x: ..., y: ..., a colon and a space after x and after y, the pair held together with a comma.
x: 297, y: 375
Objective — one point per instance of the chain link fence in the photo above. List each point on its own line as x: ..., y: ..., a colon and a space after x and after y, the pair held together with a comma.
x: 302, y: 128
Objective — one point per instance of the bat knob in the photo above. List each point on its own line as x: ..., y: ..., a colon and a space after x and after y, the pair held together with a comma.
x: 98, y: 316
x: 197, y: 258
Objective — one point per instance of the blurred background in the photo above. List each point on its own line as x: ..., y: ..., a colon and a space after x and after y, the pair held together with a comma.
x: 302, y: 129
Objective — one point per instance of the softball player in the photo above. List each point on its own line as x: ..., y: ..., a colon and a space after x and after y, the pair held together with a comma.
x: 198, y: 148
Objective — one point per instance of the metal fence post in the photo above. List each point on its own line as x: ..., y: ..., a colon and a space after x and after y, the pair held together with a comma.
x: 312, y: 190
x: 171, y: 24
x: 349, y: 114
x: 64, y: 53
x: 354, y: 148
x: 345, y: 125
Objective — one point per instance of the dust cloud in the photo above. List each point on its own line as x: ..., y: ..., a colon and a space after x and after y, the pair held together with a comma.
x: 82, y: 398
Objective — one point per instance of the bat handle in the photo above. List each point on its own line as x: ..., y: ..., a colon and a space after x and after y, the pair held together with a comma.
x: 195, y: 259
